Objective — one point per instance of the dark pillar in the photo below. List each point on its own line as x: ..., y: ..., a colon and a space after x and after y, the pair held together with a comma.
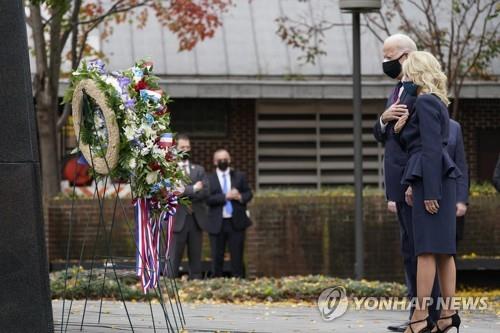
x: 358, y: 146
x: 24, y: 281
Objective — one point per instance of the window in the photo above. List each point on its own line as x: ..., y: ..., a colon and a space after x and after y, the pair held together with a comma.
x: 201, y: 117
x: 310, y: 144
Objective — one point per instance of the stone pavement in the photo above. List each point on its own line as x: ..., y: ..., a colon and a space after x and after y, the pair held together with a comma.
x: 244, y: 318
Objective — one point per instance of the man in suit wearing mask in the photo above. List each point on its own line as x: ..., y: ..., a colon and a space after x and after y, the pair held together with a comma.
x: 456, y: 151
x: 189, y: 221
x: 228, y: 219
x: 396, y: 49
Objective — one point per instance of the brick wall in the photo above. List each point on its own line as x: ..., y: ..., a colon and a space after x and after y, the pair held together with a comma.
x: 87, y: 231
x: 314, y: 235
x: 289, y: 236
x: 477, y: 115
x: 240, y: 141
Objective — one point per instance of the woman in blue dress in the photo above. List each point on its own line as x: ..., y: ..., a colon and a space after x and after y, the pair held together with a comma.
x: 432, y: 174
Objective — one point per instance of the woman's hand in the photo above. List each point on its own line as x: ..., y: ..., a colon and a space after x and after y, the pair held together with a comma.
x: 431, y: 206
x: 409, y: 196
x: 401, y: 123
x: 391, y: 207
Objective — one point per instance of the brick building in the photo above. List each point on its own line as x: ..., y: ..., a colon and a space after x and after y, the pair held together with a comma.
x: 287, y: 123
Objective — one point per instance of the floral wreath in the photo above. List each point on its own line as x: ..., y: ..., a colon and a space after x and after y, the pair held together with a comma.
x: 122, y: 125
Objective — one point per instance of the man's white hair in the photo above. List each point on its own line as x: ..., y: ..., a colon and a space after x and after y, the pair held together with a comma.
x: 402, y: 42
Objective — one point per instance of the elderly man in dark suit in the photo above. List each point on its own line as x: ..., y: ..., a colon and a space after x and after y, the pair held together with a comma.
x: 190, y: 221
x: 396, y: 49
x: 456, y: 151
x: 228, y: 219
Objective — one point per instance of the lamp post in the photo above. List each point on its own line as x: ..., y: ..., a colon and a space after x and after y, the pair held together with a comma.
x: 356, y: 7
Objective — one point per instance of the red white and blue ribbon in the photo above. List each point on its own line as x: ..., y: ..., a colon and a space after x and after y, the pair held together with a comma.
x: 166, y: 141
x: 168, y: 217
x: 148, y: 242
x: 148, y: 236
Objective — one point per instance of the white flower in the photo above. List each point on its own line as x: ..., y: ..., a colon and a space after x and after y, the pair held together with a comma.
x: 158, y: 153
x: 148, y: 130
x: 113, y: 82
x: 130, y: 132
x: 152, y: 177
x: 132, y: 163
x: 130, y: 116
x: 145, y: 151
x: 150, y: 144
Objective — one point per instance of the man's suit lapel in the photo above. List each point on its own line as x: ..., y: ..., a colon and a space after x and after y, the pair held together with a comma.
x: 233, y: 182
x: 193, y: 173
x: 392, y: 98
x: 215, y: 181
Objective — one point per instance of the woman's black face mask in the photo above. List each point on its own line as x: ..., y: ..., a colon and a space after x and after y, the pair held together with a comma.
x: 392, y: 68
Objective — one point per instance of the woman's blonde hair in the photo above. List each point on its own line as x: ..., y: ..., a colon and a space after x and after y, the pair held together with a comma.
x: 424, y: 70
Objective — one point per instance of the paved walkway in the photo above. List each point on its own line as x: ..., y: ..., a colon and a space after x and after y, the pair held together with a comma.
x: 244, y: 318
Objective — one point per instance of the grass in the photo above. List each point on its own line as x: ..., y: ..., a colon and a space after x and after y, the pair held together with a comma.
x: 286, y: 289
x: 292, y: 291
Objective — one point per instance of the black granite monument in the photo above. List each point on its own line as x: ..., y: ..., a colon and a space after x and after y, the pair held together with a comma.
x: 24, y: 281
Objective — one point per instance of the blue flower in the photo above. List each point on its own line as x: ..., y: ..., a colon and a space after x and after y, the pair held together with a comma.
x: 136, y: 143
x: 123, y: 81
x: 129, y: 103
x: 149, y: 119
x: 138, y: 72
x: 96, y: 65
x: 156, y: 187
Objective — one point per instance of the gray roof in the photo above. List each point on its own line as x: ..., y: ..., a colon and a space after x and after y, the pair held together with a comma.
x: 247, y: 44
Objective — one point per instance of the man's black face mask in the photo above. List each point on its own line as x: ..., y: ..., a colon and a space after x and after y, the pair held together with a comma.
x: 392, y: 68
x: 223, y: 165
x: 185, y: 155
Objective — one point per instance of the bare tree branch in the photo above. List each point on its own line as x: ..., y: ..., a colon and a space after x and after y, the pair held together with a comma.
x: 383, y: 26
x: 73, y: 22
x: 74, y: 64
x: 451, y: 43
x: 38, y: 41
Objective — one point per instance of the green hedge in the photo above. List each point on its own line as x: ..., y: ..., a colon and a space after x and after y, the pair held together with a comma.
x: 298, y: 288
x: 476, y: 189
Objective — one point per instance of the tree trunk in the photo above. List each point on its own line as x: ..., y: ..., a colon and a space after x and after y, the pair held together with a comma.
x: 46, y: 119
x: 46, y: 95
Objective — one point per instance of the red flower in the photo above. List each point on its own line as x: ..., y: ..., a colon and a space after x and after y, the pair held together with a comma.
x: 141, y: 85
x: 155, y: 166
x: 162, y: 111
x: 169, y: 156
